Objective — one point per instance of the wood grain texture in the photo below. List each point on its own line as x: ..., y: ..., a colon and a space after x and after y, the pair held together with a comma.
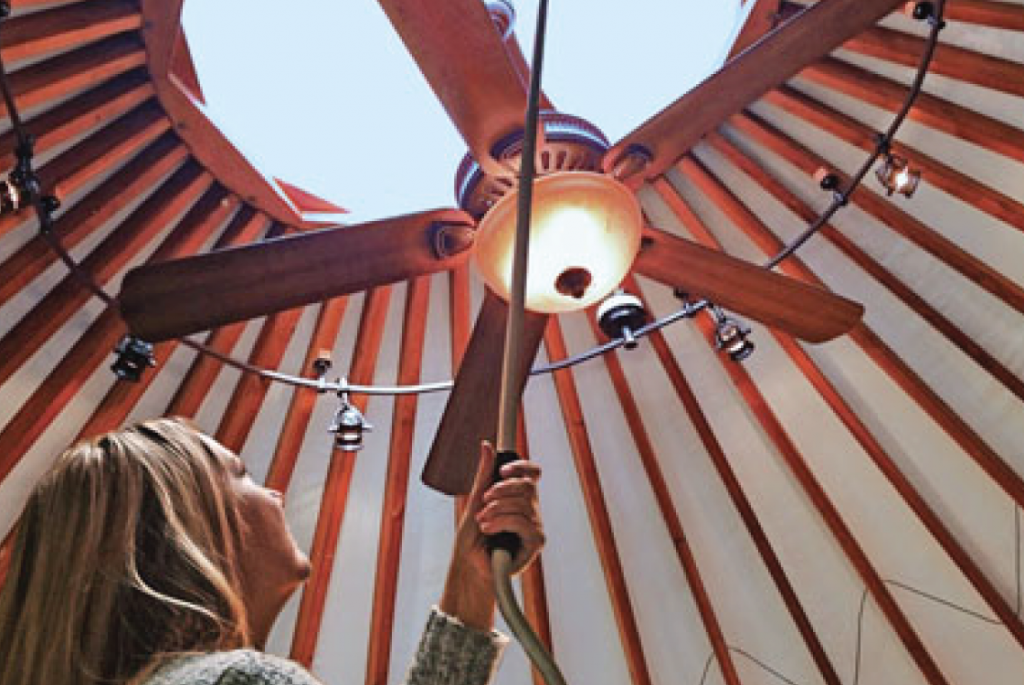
x: 210, y: 148
x: 58, y: 388
x: 1002, y: 15
x: 465, y: 61
x: 202, y: 372
x: 966, y: 66
x: 69, y: 120
x: 741, y: 502
x: 910, y: 495
x: 809, y: 312
x: 66, y: 27
x: 968, y: 345
x: 250, y: 390
x: 173, y: 298
x: 929, y: 110
x: 471, y: 414
x: 901, y: 373
x: 79, y: 69
x: 831, y: 516
x: 900, y: 221
x: 114, y: 408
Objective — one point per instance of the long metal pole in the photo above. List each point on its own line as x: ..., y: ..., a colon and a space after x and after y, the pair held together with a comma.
x: 512, y: 360
x: 501, y: 557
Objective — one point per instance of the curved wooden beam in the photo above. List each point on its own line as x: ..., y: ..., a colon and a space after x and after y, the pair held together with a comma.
x: 161, y: 29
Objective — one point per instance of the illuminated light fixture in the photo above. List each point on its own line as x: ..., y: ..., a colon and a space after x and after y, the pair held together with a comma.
x: 133, y: 357
x: 896, y: 176
x: 620, y: 316
x: 348, y: 426
x: 584, y: 235
x: 731, y: 335
x: 10, y: 197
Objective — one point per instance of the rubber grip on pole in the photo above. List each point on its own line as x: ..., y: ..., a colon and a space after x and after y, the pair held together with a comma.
x: 509, y: 542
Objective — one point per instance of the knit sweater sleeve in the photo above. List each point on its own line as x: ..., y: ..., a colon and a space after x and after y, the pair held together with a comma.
x: 451, y: 653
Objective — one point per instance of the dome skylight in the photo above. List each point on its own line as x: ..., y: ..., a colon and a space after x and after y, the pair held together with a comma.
x: 325, y: 96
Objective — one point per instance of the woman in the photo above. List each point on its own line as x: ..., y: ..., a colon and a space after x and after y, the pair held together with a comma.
x: 148, y: 555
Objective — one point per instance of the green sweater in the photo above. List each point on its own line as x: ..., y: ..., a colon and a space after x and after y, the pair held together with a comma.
x: 449, y: 654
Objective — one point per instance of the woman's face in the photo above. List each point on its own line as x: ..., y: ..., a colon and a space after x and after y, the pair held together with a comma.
x: 272, y: 565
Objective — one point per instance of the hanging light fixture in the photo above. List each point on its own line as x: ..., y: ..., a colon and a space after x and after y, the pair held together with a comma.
x: 896, y: 175
x: 731, y: 335
x: 620, y: 316
x: 134, y: 356
x: 348, y: 426
x: 584, y: 235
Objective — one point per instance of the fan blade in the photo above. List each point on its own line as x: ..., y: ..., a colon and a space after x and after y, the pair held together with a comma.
x: 463, y: 57
x: 805, y: 311
x: 178, y: 297
x: 804, y: 39
x: 472, y: 412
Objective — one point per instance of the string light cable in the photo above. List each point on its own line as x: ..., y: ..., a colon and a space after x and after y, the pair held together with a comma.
x: 23, y: 188
x: 933, y: 13
x: 24, y: 179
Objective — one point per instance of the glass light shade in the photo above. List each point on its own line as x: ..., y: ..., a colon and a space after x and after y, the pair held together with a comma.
x: 584, y: 235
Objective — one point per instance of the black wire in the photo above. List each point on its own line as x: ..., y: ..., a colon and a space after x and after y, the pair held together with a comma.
x: 44, y: 207
x: 842, y: 198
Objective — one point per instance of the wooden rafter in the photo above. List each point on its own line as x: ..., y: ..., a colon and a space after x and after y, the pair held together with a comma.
x: 396, y: 485
x: 103, y: 263
x: 113, y: 409
x: 336, y: 486
x: 943, y: 176
x: 300, y: 409
x: 656, y: 478
x: 92, y: 212
x: 597, y: 509
x: 790, y: 453
x: 918, y: 304
x: 991, y: 462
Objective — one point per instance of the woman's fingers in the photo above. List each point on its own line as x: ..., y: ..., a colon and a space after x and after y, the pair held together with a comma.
x: 521, y: 469
x: 484, y: 475
x: 518, y: 488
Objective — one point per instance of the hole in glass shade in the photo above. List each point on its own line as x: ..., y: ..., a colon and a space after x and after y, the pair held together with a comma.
x: 573, y: 282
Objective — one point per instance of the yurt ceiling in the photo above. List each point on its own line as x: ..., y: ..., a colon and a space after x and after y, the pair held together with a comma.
x: 841, y: 513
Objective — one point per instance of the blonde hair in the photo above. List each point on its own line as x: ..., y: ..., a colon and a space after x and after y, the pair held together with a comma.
x: 126, y: 552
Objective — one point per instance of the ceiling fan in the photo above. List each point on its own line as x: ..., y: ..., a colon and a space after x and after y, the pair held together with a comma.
x: 478, y: 77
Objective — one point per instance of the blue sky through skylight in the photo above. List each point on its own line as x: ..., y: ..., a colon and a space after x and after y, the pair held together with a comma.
x: 322, y: 94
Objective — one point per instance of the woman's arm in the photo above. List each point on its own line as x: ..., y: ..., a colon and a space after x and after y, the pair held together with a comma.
x: 459, y: 646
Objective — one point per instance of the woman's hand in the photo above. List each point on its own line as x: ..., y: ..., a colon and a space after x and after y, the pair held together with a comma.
x: 509, y: 505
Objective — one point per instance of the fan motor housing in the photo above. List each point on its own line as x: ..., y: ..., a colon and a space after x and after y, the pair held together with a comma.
x: 570, y: 144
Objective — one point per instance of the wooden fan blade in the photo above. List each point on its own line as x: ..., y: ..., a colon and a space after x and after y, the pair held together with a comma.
x: 463, y: 57
x: 472, y: 412
x: 805, y: 311
x: 178, y: 297
x: 804, y: 39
